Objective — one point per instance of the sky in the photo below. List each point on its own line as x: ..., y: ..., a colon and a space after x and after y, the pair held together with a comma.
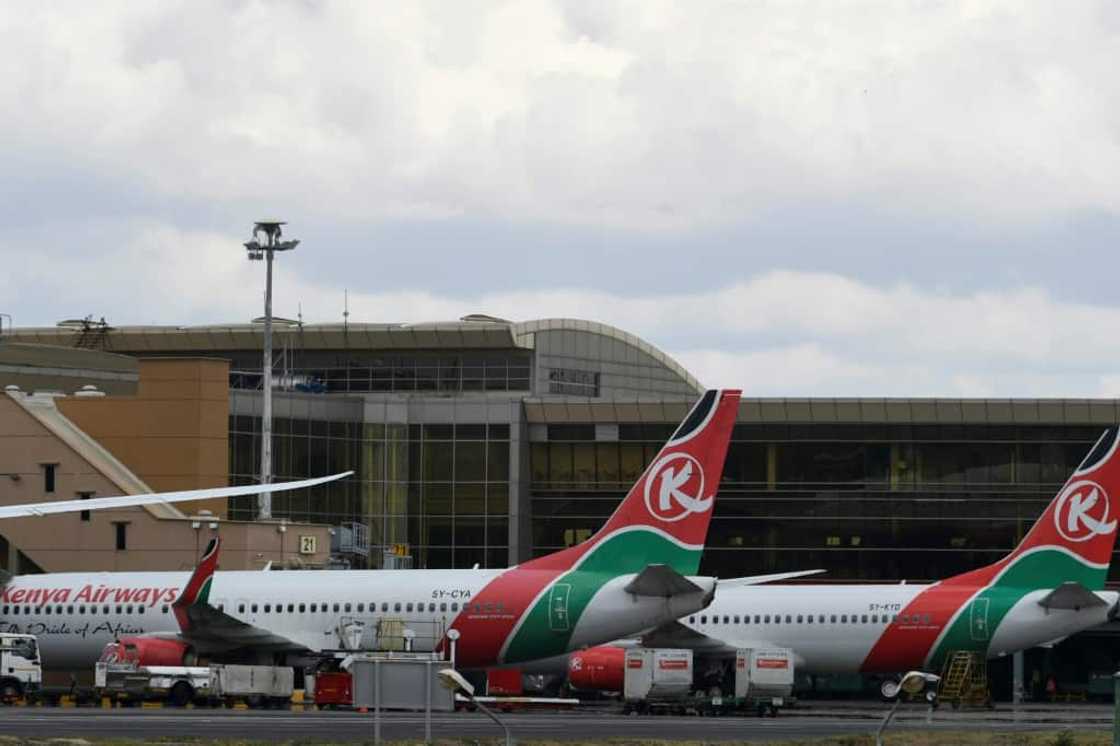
x: 799, y: 199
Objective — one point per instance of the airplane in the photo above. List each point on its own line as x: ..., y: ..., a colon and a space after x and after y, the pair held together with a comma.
x: 1049, y: 587
x: 637, y: 572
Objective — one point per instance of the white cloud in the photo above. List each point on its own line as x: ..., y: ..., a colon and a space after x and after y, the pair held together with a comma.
x: 779, y: 333
x: 996, y: 118
x: 633, y: 113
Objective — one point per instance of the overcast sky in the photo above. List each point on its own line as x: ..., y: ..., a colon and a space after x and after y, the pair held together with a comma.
x: 818, y: 199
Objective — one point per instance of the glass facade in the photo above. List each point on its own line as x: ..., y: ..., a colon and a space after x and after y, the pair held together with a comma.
x: 441, y: 489
x: 865, y: 502
x: 320, y: 371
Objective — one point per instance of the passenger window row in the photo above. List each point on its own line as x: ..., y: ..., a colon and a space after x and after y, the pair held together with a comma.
x: 397, y: 606
x: 819, y: 619
x: 292, y: 608
x: 92, y: 609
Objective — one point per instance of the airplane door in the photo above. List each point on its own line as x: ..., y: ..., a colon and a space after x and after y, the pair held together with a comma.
x: 978, y: 623
x: 558, y: 607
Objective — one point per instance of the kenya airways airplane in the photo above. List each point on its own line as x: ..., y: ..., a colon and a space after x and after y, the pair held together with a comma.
x: 637, y: 572
x: 1048, y: 588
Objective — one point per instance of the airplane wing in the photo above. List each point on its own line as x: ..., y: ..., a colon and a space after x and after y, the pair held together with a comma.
x: 677, y: 635
x: 772, y: 578
x: 211, y: 630
x: 127, y: 501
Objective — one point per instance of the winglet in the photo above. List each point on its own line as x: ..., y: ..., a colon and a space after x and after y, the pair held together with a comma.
x: 197, y: 589
x: 661, y: 580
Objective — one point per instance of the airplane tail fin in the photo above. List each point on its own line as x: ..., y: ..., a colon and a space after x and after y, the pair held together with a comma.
x: 197, y: 589
x: 1072, y: 540
x: 665, y: 515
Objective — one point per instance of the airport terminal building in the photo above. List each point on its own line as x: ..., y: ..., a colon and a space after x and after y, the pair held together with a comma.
x: 486, y: 442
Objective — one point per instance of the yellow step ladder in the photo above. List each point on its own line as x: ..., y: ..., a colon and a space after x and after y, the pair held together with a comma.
x: 964, y: 679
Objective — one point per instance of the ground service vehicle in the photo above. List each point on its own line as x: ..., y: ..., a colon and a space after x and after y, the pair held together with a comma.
x: 121, y: 678
x: 21, y: 673
x: 331, y: 689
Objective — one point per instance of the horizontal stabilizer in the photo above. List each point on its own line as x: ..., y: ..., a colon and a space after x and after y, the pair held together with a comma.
x: 1070, y: 595
x: 127, y: 501
x: 772, y: 578
x: 661, y: 580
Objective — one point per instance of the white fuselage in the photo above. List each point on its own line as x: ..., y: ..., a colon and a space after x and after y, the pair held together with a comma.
x: 833, y: 629
x: 74, y: 615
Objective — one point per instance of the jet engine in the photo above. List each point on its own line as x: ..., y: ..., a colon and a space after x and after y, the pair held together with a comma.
x: 597, y: 669
x: 149, y: 651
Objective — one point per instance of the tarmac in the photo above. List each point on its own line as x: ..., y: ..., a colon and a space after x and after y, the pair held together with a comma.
x: 813, y: 721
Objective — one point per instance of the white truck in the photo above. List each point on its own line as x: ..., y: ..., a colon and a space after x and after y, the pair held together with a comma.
x: 21, y: 673
x: 657, y: 679
x: 258, y: 686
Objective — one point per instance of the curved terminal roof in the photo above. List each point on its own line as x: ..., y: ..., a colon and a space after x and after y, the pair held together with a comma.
x: 525, y: 330
x: 476, y: 331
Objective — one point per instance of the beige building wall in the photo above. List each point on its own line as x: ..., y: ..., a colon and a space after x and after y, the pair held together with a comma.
x: 174, y: 434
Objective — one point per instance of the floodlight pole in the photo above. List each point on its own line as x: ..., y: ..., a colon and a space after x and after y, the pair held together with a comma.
x: 271, y: 230
x: 264, y: 500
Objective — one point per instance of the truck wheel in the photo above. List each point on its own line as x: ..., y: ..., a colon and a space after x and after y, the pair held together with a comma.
x: 9, y: 692
x: 180, y: 695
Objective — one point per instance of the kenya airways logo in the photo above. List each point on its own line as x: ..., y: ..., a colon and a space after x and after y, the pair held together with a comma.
x: 1082, y: 512
x: 675, y: 489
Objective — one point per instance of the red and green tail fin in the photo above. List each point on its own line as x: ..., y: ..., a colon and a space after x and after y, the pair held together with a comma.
x: 1073, y: 538
x: 665, y: 515
x: 1070, y: 543
x: 662, y: 521
x: 197, y: 589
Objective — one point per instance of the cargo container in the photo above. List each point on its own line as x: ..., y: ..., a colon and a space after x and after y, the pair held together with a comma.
x: 764, y: 678
x: 657, y: 679
x: 504, y: 682
x: 333, y: 689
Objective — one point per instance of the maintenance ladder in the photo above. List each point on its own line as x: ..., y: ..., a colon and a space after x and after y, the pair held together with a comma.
x: 964, y: 679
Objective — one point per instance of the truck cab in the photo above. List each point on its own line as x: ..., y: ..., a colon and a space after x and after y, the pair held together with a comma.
x: 21, y: 672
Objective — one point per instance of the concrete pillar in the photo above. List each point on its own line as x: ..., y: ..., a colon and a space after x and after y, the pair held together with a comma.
x: 520, y: 529
x: 1017, y: 678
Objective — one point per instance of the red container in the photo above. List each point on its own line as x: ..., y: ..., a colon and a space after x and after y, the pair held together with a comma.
x: 504, y: 682
x: 332, y: 689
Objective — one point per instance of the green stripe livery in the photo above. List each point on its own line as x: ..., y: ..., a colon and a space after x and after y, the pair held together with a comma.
x: 548, y: 626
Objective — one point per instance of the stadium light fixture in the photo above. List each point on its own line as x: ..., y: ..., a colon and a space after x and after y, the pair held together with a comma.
x: 263, y: 245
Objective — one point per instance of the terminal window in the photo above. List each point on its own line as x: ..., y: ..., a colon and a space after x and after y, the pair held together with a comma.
x: 573, y: 382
